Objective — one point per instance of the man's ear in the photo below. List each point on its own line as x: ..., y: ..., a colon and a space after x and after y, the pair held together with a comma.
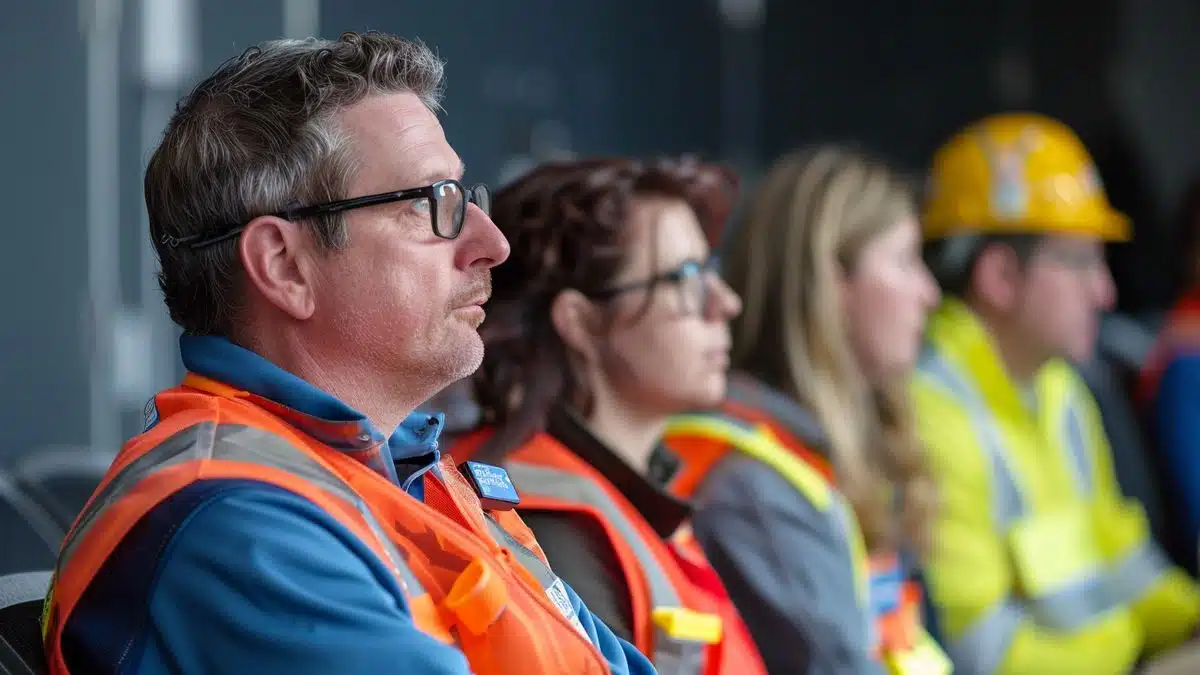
x: 575, y: 320
x: 997, y: 276
x: 277, y: 258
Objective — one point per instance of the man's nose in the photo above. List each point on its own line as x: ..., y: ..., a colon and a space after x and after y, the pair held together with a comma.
x: 482, y: 244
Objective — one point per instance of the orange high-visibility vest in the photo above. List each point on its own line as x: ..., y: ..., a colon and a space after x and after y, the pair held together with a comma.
x: 474, y: 579
x: 682, y: 617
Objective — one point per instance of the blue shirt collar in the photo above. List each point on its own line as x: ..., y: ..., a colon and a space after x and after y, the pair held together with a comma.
x: 312, y: 410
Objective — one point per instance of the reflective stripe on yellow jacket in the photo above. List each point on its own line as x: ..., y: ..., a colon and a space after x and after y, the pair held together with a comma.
x: 1039, y: 565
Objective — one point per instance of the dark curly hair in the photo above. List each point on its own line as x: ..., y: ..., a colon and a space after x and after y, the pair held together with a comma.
x: 567, y: 224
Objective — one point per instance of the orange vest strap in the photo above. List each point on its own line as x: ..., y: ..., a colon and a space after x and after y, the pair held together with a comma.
x: 550, y: 477
x: 569, y: 487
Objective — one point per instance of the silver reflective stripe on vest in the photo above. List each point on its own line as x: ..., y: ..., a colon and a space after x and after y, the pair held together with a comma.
x: 982, y: 648
x: 1132, y: 576
x: 1081, y: 463
x: 671, y: 656
x: 1129, y: 578
x: 527, y: 559
x: 555, y: 589
x: 235, y: 443
x: 1006, y: 496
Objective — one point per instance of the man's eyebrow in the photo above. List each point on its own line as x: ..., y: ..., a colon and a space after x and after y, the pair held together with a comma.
x: 433, y: 176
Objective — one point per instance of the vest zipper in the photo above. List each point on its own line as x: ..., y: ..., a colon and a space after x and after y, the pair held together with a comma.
x: 498, y: 553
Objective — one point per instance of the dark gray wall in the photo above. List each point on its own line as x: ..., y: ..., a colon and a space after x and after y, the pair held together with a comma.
x: 43, y: 368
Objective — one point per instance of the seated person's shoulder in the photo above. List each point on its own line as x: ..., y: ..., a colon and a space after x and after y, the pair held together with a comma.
x: 741, y: 482
x: 1062, y: 371
x: 238, y: 576
x: 946, y: 430
x: 1184, y: 365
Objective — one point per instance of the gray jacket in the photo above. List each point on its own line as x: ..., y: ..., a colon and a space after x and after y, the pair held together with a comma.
x: 787, y: 564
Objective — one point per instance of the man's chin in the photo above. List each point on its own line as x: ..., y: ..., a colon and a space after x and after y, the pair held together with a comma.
x: 469, y: 355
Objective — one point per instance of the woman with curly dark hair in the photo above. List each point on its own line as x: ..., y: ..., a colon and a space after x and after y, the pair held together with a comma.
x: 607, y: 319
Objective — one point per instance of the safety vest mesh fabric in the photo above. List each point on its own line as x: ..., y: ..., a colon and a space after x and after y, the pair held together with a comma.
x: 527, y: 622
x: 985, y: 642
x: 671, y: 656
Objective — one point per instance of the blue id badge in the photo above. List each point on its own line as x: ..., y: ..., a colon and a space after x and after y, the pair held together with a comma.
x: 492, y: 485
x: 886, y: 587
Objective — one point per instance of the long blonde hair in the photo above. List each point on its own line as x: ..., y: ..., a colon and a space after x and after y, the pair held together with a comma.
x: 805, y: 230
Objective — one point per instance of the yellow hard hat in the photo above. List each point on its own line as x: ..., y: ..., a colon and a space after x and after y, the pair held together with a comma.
x: 1018, y: 173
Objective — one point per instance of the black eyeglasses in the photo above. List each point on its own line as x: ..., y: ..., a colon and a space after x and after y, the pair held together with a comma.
x: 1074, y: 259
x: 693, y: 280
x: 448, y: 198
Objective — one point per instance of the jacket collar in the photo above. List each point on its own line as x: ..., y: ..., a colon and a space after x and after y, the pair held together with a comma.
x: 958, y: 335
x: 663, y: 511
x: 313, y: 411
x: 744, y: 389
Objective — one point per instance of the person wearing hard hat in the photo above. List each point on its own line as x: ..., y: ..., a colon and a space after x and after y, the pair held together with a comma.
x: 1039, y: 564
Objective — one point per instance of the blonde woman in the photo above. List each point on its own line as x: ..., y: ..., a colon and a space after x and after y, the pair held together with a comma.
x: 809, y: 480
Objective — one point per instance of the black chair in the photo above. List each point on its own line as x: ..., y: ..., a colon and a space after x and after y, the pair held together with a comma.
x: 1122, y: 348
x: 21, y: 597
x: 61, y: 479
x: 31, y: 534
x: 1121, y: 345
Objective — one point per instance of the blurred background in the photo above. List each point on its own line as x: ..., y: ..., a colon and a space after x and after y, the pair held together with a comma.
x: 88, y: 86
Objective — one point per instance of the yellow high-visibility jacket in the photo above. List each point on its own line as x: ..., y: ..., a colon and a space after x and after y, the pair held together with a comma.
x: 1039, y: 563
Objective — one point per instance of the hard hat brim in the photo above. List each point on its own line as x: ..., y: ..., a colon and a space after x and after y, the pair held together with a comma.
x: 1110, y: 226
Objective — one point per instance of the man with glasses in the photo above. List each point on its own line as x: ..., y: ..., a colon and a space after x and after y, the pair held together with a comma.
x: 285, y: 510
x: 1039, y: 564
